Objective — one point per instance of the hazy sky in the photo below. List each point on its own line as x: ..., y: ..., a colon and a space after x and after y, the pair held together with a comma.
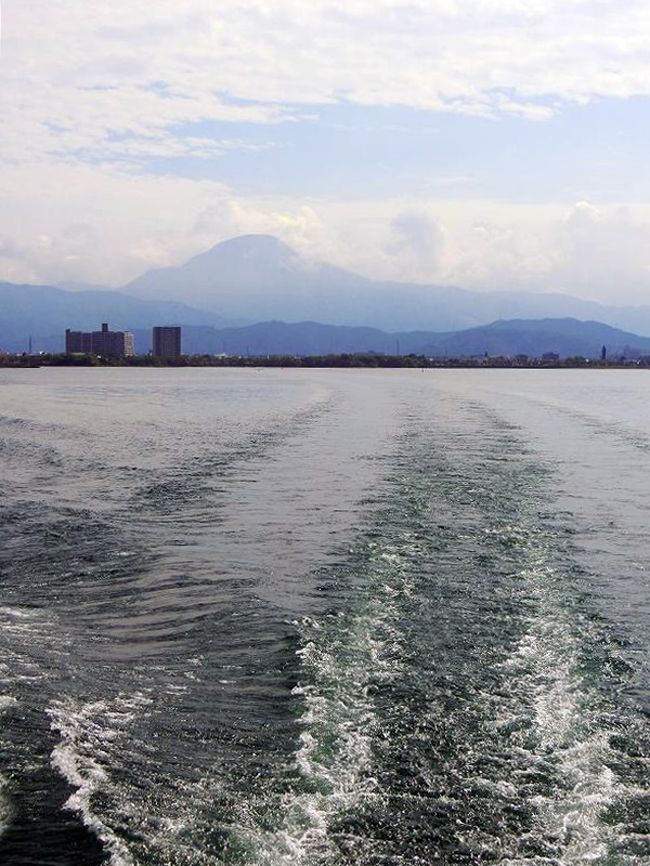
x: 486, y: 143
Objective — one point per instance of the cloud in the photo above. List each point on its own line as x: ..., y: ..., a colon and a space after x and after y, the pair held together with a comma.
x: 598, y: 252
x: 132, y: 223
x: 604, y: 252
x: 73, y: 78
x: 9, y: 249
x: 128, y: 223
x: 95, y: 100
x: 417, y: 244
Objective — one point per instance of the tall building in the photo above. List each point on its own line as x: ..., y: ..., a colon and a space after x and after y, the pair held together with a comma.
x: 117, y: 344
x: 129, y: 344
x: 167, y: 342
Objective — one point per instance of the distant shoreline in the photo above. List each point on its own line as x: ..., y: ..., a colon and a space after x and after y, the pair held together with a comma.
x: 361, y: 360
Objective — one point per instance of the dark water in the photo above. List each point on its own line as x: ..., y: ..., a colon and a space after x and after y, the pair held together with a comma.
x: 318, y: 617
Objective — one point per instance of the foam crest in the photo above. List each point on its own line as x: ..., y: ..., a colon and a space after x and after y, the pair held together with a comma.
x: 6, y: 701
x: 548, y: 668
x: 344, y: 657
x: 86, y: 731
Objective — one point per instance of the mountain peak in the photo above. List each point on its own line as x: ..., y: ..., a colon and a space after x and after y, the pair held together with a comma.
x: 251, y: 242
x: 259, y: 248
x: 250, y: 273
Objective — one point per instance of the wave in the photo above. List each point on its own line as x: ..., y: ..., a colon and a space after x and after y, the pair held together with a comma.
x: 345, y: 657
x: 6, y: 808
x: 82, y: 756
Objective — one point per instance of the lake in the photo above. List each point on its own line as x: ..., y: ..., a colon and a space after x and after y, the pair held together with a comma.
x: 324, y: 617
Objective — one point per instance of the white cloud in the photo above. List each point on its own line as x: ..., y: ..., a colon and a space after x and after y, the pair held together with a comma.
x: 594, y: 252
x: 605, y: 251
x: 417, y: 244
x: 96, y: 224
x: 74, y: 75
x: 90, y: 92
x: 107, y: 225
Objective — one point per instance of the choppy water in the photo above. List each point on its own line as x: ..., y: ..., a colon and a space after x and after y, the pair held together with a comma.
x: 324, y: 618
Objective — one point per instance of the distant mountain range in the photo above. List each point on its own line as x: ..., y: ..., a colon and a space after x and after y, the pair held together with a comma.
x: 566, y: 337
x: 257, y: 278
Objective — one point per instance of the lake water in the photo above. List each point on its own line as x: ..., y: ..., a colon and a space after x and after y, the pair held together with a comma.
x: 324, y: 617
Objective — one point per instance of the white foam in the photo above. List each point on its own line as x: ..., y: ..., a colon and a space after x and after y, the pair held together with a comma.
x: 17, y: 613
x: 545, y: 667
x: 6, y: 811
x: 344, y: 654
x: 85, y: 730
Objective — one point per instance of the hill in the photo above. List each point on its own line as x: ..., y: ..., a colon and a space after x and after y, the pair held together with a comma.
x: 44, y: 312
x: 566, y: 337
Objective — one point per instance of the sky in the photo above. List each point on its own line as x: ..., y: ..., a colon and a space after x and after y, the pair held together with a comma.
x: 490, y: 144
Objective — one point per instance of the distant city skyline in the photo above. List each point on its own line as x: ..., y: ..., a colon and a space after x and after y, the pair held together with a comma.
x: 491, y: 145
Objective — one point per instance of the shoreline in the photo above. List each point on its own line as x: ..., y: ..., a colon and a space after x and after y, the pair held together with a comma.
x: 336, y: 361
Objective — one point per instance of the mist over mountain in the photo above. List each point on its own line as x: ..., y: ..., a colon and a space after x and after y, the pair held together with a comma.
x: 77, y: 286
x: 256, y: 278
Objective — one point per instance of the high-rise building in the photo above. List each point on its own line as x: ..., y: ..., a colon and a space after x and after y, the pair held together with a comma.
x: 129, y: 344
x: 167, y: 342
x: 111, y: 343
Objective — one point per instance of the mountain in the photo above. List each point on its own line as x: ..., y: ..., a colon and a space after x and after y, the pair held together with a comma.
x: 255, y: 278
x: 566, y: 337
x: 258, y: 277
x: 44, y: 312
x: 281, y: 338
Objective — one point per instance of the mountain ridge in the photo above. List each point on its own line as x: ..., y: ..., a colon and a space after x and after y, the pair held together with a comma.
x: 566, y: 337
x: 44, y: 312
x: 252, y: 278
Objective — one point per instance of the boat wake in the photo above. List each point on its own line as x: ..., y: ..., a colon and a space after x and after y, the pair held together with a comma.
x: 88, y: 736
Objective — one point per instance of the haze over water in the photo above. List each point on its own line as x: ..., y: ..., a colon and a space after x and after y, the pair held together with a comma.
x: 324, y: 617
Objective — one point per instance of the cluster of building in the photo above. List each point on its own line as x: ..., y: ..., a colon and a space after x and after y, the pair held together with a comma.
x: 166, y: 342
